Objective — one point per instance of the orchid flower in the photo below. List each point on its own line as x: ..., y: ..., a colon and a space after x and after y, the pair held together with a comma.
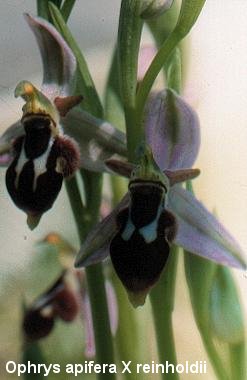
x: 64, y: 302
x: 43, y: 152
x: 66, y: 299
x: 172, y: 133
x: 58, y: 302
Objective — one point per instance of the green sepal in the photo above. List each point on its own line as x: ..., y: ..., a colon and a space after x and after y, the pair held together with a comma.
x: 147, y: 169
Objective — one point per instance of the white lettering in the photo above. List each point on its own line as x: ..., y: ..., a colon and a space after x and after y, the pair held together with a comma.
x: 56, y: 368
x: 69, y: 368
x: 193, y: 368
x: 8, y: 367
x: 146, y: 368
x: 126, y: 366
x: 179, y: 370
x: 169, y: 365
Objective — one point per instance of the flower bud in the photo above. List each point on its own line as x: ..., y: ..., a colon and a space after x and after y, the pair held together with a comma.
x: 153, y: 8
x: 43, y: 156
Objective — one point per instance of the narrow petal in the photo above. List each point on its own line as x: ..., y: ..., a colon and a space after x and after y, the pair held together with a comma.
x: 59, y: 63
x: 98, y: 139
x: 200, y: 233
x: 96, y: 246
x: 172, y: 130
x: 125, y: 169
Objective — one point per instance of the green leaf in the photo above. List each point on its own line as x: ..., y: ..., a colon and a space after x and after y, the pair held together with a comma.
x: 67, y: 8
x: 189, y: 12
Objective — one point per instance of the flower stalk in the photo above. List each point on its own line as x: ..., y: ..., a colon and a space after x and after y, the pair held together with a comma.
x: 95, y: 278
x: 129, y: 36
x: 162, y: 301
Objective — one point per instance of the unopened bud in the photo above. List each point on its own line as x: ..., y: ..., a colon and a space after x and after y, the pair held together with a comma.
x: 153, y: 8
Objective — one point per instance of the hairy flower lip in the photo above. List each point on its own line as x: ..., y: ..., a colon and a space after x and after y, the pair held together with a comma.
x: 96, y: 246
x: 42, y: 157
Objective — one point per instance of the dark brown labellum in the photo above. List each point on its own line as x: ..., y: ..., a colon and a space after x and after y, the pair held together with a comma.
x: 59, y: 301
x: 140, y: 249
x: 37, y: 326
x: 65, y: 305
x: 41, y: 161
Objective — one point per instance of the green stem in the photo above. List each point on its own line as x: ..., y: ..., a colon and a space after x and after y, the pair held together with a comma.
x: 173, y: 72
x: 157, y: 64
x: 95, y: 278
x: 127, y: 332
x: 129, y: 36
x: 162, y: 301
x: 76, y: 204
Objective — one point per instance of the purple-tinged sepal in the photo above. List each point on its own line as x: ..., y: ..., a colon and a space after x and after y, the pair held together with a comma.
x: 125, y: 168
x: 172, y: 130
x: 199, y: 231
x: 59, y: 63
x: 42, y: 156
